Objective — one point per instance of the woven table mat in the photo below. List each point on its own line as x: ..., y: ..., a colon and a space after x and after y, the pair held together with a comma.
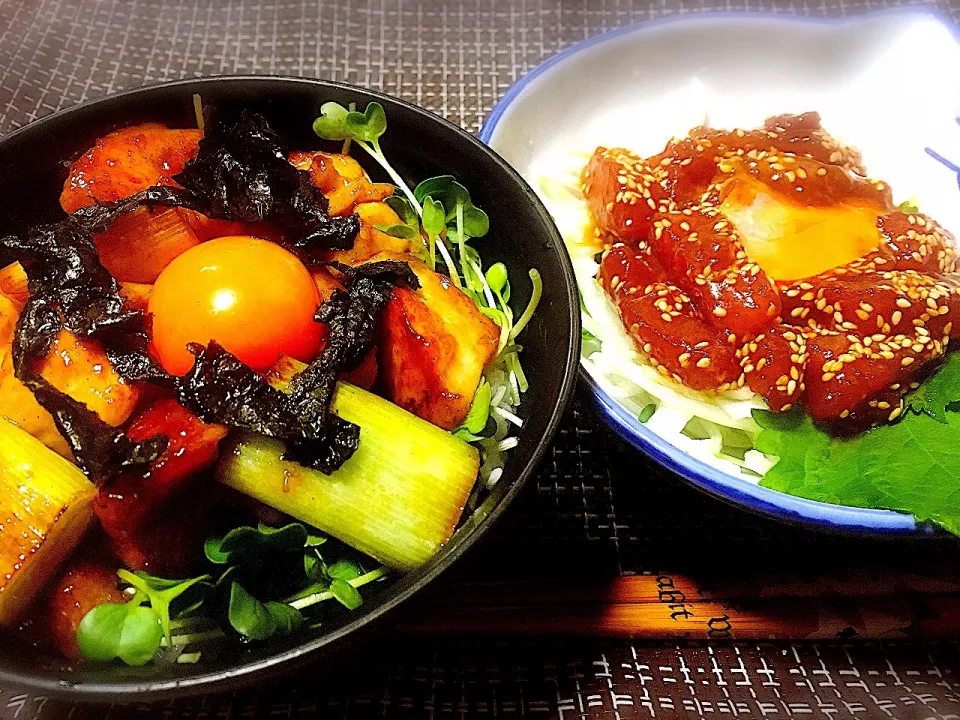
x: 597, y: 514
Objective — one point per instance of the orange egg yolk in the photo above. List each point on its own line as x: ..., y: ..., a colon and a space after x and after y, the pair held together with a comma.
x: 252, y: 296
x: 791, y: 241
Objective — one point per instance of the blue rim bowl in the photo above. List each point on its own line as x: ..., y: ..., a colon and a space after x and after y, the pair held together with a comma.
x: 725, y: 486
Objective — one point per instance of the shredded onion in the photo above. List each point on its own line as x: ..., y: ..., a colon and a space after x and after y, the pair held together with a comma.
x: 715, y: 428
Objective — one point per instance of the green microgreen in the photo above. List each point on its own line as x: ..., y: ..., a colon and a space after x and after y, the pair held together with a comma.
x: 261, y: 571
x: 476, y: 421
x: 345, y: 594
x: 133, y: 631
x: 248, y: 544
x: 409, y: 226
x: 434, y: 225
x: 257, y: 620
x: 128, y: 631
x: 365, y: 129
x: 344, y: 570
x: 162, y: 593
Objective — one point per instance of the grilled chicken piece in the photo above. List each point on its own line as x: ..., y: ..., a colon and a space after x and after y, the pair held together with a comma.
x: 348, y: 189
x: 127, y: 161
x: 154, y: 520
x: 90, y: 579
x: 341, y: 178
x: 434, y: 346
x: 171, y: 543
x: 79, y: 367
x: 127, y: 502
x: 371, y: 241
x: 13, y: 284
x: 17, y: 403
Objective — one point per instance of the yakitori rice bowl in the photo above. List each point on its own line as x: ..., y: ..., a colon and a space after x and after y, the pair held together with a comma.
x: 754, y: 298
x: 177, y: 262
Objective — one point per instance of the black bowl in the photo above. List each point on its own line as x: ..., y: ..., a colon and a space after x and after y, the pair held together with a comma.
x: 33, y: 164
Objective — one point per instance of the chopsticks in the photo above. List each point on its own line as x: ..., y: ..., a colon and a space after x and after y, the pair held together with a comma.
x: 674, y: 607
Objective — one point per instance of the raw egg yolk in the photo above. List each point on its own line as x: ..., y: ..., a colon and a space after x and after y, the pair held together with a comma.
x: 790, y: 241
x: 251, y: 296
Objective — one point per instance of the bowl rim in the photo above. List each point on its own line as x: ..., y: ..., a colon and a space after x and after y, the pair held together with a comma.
x: 842, y: 519
x: 726, y: 486
x: 287, y: 660
x: 493, y: 118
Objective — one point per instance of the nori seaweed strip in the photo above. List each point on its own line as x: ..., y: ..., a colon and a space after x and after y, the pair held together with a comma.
x: 100, y: 450
x: 219, y: 388
x: 352, y: 315
x: 96, y: 218
x: 241, y: 173
x: 70, y: 289
x: 63, y: 269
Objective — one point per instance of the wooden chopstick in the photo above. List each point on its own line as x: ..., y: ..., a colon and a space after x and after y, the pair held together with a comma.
x: 666, y: 586
x: 665, y: 606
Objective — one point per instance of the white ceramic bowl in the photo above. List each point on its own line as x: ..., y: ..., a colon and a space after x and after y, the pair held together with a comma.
x: 887, y: 83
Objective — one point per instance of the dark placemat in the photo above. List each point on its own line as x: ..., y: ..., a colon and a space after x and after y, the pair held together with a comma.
x: 596, y: 510
x: 568, y: 681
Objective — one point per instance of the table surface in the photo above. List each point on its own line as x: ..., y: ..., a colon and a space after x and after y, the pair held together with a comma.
x: 595, y: 511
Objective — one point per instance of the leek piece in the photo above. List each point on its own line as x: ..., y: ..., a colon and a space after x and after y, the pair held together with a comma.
x: 140, y: 244
x: 17, y: 402
x: 398, y: 499
x: 46, y: 506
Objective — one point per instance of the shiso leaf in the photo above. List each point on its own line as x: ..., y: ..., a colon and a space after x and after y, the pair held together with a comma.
x: 911, y: 465
x: 939, y: 392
